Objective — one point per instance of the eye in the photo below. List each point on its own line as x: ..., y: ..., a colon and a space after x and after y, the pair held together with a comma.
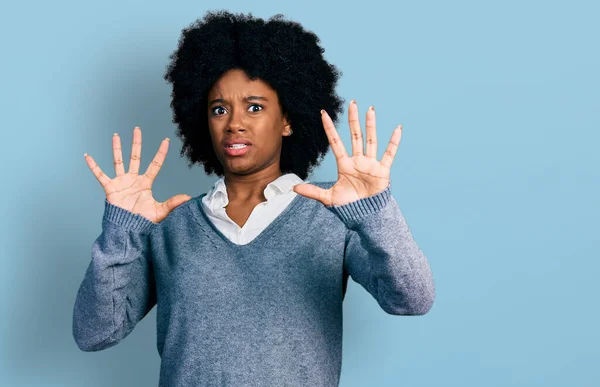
x: 256, y: 105
x: 215, y: 108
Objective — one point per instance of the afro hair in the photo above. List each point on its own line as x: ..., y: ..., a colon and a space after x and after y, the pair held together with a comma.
x: 279, y: 52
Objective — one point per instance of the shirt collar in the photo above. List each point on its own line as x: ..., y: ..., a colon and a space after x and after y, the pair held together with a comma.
x: 283, y: 184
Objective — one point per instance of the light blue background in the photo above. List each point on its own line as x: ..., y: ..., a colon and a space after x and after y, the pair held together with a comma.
x: 497, y: 175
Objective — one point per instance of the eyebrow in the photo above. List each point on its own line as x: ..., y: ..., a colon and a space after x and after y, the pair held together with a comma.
x: 249, y: 98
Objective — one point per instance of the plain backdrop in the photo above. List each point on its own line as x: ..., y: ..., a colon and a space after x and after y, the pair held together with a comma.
x: 497, y: 175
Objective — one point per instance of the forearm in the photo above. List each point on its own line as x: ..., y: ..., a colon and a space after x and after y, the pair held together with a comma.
x: 118, y: 287
x: 382, y: 255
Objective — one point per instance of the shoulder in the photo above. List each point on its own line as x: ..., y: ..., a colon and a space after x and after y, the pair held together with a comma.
x: 317, y: 212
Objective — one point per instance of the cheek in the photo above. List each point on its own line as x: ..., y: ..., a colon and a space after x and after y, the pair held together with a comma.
x: 215, y: 139
x: 213, y: 129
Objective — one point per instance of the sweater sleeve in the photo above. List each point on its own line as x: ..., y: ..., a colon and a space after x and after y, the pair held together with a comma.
x: 118, y: 288
x: 382, y: 256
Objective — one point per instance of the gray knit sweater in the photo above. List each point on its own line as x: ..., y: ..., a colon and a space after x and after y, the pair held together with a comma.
x: 267, y: 313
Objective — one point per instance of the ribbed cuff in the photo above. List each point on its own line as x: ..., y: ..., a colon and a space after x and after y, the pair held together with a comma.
x: 126, y: 219
x: 353, y: 212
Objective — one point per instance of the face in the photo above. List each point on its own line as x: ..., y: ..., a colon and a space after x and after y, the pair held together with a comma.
x: 241, y: 109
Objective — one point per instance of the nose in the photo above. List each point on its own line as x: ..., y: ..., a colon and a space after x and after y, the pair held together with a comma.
x: 236, y: 122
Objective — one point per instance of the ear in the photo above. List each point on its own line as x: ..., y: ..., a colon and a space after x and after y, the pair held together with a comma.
x: 287, y: 126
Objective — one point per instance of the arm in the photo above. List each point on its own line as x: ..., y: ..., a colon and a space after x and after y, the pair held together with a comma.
x: 118, y: 288
x: 382, y: 256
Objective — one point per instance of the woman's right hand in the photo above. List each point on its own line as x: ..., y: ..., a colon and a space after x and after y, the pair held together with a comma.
x: 131, y: 190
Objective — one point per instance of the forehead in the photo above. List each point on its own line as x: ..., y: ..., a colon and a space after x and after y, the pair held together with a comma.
x: 235, y: 83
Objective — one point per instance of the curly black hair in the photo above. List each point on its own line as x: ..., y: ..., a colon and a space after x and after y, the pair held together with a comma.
x: 279, y: 52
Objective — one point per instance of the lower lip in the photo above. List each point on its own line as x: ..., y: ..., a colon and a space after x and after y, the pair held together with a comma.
x: 237, y: 152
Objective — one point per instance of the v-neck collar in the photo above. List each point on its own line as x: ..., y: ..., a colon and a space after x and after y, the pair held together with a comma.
x: 271, y: 228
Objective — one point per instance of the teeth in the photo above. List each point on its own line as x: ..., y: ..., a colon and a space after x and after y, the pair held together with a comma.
x: 238, y: 146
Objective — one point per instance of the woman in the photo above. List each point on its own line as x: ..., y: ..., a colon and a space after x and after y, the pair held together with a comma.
x: 249, y: 278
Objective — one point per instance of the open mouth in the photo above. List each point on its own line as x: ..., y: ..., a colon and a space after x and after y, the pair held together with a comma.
x: 237, y: 150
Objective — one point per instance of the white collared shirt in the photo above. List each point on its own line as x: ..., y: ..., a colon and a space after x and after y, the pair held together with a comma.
x: 278, y: 193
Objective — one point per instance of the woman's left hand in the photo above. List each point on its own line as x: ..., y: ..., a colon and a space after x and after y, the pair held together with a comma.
x: 360, y: 175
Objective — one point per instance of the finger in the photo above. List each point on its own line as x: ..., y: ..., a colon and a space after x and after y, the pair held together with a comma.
x: 102, y: 178
x: 174, y: 202
x: 158, y: 160
x: 355, y: 130
x: 118, y: 155
x: 388, y: 156
x: 371, y: 134
x: 313, y: 192
x: 337, y: 146
x: 136, y: 151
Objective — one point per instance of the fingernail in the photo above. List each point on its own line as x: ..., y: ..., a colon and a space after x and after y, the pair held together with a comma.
x: 114, y: 134
x: 85, y: 155
x: 353, y: 102
x: 322, y: 111
x: 371, y: 108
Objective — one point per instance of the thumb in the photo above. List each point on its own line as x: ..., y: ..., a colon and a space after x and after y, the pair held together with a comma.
x: 309, y: 190
x: 176, y: 201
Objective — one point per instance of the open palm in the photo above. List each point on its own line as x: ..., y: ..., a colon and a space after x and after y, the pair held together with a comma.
x: 132, y: 191
x: 359, y: 175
